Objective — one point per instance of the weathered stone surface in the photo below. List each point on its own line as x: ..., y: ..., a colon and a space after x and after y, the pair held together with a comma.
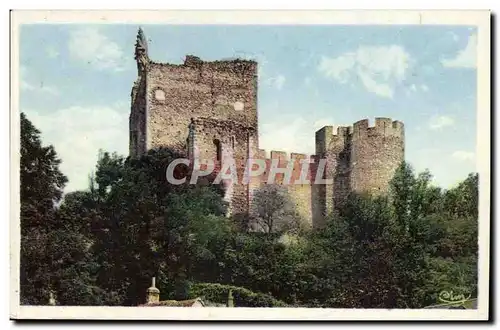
x: 364, y: 159
x: 209, y: 111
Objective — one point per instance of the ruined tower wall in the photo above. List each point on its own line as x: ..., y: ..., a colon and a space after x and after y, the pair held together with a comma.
x: 222, y: 90
x: 204, y: 109
x: 137, y: 119
x: 323, y: 193
x: 299, y: 190
x: 209, y: 109
x: 340, y: 150
x: 220, y: 141
x: 376, y: 153
x: 231, y: 136
x: 358, y: 159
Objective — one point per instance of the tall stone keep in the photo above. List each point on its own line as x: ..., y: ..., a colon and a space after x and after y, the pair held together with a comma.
x: 207, y: 110
x: 218, y: 95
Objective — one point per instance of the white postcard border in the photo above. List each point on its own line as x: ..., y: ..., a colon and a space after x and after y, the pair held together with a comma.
x: 479, y: 19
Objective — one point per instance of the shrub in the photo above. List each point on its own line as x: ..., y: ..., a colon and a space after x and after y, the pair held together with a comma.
x: 218, y: 293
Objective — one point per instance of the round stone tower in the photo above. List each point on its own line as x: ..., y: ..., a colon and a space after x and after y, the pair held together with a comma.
x: 376, y: 153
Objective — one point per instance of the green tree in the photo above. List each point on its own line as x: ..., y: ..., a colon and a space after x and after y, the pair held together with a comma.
x: 274, y: 210
x: 42, y: 182
x: 439, y: 230
x: 149, y: 226
x: 72, y: 240
x: 413, y: 196
x: 41, y: 188
x: 462, y: 200
x: 374, y: 252
x: 453, y: 265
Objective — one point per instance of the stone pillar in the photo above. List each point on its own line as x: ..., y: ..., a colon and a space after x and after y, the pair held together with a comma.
x: 153, y: 294
x: 230, y: 300
x: 52, y: 299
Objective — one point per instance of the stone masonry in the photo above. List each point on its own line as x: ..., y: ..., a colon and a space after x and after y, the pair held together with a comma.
x: 209, y: 110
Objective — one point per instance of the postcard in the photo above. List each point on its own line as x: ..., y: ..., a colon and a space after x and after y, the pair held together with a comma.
x: 258, y: 165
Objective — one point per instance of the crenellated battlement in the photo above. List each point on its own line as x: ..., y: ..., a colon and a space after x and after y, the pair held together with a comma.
x: 343, y: 131
x: 323, y: 138
x: 384, y: 127
x: 261, y: 154
x: 328, y: 138
x: 283, y: 161
x: 341, y: 139
x: 283, y: 155
x: 362, y: 157
x: 210, y: 109
x: 297, y: 156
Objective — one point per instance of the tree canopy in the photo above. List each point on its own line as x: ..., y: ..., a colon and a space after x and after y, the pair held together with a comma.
x: 102, y: 245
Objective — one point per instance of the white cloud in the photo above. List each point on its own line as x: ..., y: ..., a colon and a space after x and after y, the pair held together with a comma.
x: 50, y: 90
x: 276, y: 82
x: 464, y: 155
x: 296, y: 135
x: 77, y: 133
x: 380, y: 68
x: 53, y: 90
x: 89, y: 45
x: 438, y: 122
x: 27, y: 86
x: 415, y: 88
x: 452, y: 167
x: 465, y: 58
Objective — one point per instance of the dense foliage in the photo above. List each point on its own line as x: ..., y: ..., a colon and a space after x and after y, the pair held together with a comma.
x: 101, y: 246
x: 41, y: 189
x: 218, y: 293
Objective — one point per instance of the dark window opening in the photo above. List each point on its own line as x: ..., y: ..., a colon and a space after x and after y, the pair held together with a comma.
x: 218, y: 149
x: 344, y: 157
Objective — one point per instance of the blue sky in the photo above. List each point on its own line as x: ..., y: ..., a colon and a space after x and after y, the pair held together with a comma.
x: 76, y: 82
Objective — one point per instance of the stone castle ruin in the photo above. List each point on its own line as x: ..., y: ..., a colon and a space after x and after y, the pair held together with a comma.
x: 209, y: 110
